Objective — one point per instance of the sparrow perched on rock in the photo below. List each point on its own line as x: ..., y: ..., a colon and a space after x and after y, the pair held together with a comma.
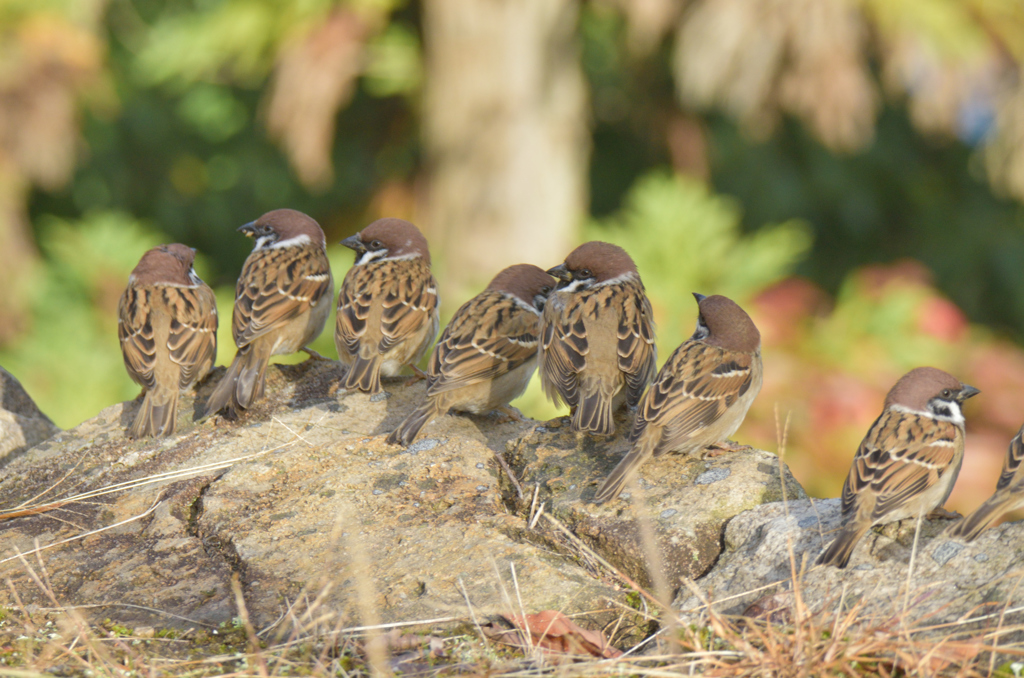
x: 597, y: 336
x: 1009, y: 495
x: 487, y: 353
x: 702, y: 393
x: 167, y: 324
x: 907, y: 463
x: 387, y: 305
x: 282, y: 301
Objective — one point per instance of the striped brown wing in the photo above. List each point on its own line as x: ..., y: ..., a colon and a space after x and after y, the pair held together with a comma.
x: 1012, y: 468
x: 355, y: 299
x: 695, y: 387
x: 192, y: 340
x: 409, y: 303
x: 564, y: 350
x: 137, y: 335
x: 278, y: 285
x: 489, y: 336
x: 638, y: 356
x: 902, y: 455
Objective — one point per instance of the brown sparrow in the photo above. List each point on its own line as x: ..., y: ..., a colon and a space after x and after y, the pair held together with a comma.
x: 907, y: 463
x: 387, y: 305
x: 1009, y: 495
x: 488, y: 352
x: 282, y: 301
x: 597, y: 336
x: 702, y: 393
x: 167, y: 324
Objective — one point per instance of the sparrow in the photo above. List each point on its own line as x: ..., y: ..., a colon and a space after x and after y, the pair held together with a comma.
x: 387, y: 305
x: 1009, y: 495
x: 282, y: 301
x: 702, y: 393
x: 167, y: 324
x: 488, y: 352
x: 597, y: 336
x: 907, y: 463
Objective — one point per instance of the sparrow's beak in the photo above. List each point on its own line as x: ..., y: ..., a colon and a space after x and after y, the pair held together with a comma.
x: 353, y: 242
x: 248, y: 229
x: 699, y: 297
x: 966, y: 392
x: 560, y: 272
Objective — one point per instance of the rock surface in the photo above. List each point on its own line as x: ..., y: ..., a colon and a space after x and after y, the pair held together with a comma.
x: 687, y: 501
x: 22, y: 425
x: 306, y: 504
x: 952, y: 581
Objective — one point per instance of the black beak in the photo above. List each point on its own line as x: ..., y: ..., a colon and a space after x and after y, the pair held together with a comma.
x: 560, y: 272
x: 353, y: 242
x: 966, y: 392
x: 248, y: 229
x: 698, y: 297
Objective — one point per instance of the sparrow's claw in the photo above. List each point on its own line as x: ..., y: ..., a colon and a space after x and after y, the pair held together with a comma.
x: 508, y: 413
x: 314, y: 355
x: 417, y: 375
x: 942, y: 514
x: 717, y: 449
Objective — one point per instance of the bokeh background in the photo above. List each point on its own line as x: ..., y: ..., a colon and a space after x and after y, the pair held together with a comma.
x: 851, y: 171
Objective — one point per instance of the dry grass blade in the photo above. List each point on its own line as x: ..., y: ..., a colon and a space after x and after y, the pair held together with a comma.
x: 26, y: 508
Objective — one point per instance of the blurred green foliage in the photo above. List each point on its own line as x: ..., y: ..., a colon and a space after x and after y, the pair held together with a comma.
x: 691, y: 242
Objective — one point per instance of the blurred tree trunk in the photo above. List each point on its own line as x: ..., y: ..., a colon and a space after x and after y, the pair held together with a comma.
x: 507, y: 135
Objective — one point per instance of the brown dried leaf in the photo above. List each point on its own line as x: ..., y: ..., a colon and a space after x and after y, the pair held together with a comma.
x: 950, y: 654
x: 553, y: 631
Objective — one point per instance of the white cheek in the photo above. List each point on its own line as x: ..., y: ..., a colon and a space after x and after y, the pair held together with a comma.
x: 370, y: 255
x: 575, y: 286
x: 291, y: 242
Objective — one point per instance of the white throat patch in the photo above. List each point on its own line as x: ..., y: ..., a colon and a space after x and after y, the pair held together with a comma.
x: 370, y: 255
x: 290, y: 242
x: 940, y: 410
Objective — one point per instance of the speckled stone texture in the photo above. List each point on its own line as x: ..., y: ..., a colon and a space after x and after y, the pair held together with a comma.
x: 952, y: 581
x: 303, y: 488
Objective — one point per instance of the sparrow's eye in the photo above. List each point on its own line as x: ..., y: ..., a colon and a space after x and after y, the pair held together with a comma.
x: 546, y: 289
x: 947, y: 393
x: 585, y: 273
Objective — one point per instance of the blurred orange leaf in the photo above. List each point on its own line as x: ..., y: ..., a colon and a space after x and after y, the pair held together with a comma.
x: 553, y: 631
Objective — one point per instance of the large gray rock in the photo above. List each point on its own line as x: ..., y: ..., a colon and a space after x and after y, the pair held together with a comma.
x: 952, y: 581
x: 686, y: 500
x: 293, y: 497
x: 22, y: 424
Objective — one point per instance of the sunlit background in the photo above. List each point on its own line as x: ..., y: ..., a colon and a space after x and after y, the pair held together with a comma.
x: 851, y: 171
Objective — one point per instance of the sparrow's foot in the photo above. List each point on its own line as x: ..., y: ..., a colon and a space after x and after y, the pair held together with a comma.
x: 314, y: 355
x: 718, y: 449
x: 506, y: 414
x: 942, y: 514
x: 417, y: 375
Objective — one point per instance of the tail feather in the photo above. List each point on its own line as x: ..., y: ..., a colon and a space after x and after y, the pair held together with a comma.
x: 251, y: 381
x: 364, y: 375
x: 410, y: 428
x: 969, y: 527
x: 240, y: 387
x: 839, y: 551
x: 155, y: 418
x: 594, y: 414
x: 613, y: 484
